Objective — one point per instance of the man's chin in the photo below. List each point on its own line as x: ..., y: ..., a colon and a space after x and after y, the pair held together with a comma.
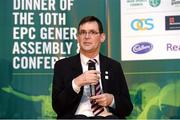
x: 88, y: 49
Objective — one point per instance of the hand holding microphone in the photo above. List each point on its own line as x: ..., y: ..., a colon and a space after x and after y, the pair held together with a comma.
x: 90, y: 77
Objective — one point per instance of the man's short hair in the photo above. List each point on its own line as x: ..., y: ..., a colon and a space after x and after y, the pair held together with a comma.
x: 91, y: 19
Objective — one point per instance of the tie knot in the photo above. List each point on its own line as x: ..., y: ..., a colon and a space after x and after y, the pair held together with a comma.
x: 94, y: 61
x: 91, y: 64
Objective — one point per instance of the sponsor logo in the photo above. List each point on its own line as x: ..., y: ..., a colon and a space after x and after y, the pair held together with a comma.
x: 143, y: 3
x: 142, y: 48
x: 175, y: 2
x: 142, y: 24
x: 172, y: 47
x: 154, y: 3
x: 136, y: 3
x: 172, y: 22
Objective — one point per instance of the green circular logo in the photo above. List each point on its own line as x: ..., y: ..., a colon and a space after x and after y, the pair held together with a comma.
x: 154, y: 3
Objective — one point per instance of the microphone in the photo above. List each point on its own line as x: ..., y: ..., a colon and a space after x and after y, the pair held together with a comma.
x: 91, y: 66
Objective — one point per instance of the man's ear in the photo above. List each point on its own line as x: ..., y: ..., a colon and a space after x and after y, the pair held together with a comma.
x: 103, y: 37
x: 77, y: 38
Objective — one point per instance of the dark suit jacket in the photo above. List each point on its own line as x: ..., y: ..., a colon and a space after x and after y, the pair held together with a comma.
x: 65, y: 100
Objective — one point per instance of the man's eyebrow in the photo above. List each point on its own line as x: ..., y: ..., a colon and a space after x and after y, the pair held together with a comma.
x: 88, y: 30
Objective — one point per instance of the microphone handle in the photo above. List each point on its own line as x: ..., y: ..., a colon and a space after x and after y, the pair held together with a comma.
x: 92, y: 90
x: 92, y: 87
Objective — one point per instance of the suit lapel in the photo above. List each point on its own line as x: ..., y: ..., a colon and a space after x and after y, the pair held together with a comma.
x: 77, y: 68
x: 76, y: 65
x: 103, y: 68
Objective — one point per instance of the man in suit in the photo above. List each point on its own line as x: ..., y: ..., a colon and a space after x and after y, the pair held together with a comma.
x: 72, y: 79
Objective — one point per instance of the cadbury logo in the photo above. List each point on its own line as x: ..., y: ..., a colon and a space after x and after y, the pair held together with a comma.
x: 142, y: 47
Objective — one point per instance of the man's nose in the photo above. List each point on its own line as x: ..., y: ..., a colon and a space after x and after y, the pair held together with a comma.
x: 87, y: 35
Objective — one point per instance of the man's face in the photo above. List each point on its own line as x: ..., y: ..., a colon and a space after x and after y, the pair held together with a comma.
x: 89, y: 38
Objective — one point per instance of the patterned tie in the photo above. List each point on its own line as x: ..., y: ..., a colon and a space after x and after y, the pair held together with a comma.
x: 97, y: 109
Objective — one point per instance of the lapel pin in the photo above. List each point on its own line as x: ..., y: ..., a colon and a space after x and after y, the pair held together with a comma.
x: 106, y: 75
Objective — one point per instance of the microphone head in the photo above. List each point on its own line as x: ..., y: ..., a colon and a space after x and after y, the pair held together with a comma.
x: 91, y: 66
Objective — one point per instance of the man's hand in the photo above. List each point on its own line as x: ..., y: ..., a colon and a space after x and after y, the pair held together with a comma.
x: 104, y: 99
x: 90, y: 77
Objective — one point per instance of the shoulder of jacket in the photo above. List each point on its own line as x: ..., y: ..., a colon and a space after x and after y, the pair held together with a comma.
x: 110, y: 60
x: 66, y: 60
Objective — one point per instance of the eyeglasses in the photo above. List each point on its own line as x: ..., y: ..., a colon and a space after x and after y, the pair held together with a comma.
x: 90, y: 33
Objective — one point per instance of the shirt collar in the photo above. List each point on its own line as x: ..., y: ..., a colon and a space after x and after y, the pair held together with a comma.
x: 85, y: 59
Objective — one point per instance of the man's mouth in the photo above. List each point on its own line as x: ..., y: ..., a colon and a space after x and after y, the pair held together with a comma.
x: 87, y: 43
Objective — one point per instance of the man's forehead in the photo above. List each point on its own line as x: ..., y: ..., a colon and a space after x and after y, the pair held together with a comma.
x: 89, y: 25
